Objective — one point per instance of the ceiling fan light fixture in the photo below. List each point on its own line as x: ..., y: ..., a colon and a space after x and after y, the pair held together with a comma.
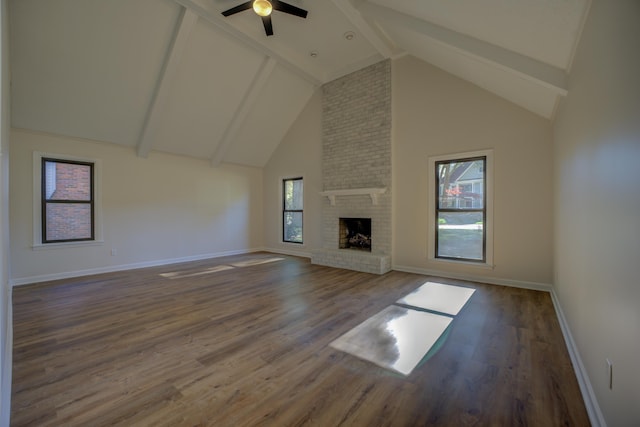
x: 262, y: 7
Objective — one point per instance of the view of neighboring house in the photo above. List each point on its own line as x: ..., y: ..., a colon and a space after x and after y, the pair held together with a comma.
x: 465, y: 187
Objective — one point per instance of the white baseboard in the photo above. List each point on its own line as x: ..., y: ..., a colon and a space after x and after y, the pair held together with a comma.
x: 473, y: 278
x: 123, y: 267
x: 588, y: 395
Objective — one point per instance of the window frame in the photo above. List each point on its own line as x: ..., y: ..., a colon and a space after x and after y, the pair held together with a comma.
x: 44, y: 201
x: 39, y: 216
x: 285, y: 210
x: 433, y: 204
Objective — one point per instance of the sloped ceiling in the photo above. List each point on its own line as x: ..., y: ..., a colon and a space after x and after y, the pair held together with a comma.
x: 177, y: 76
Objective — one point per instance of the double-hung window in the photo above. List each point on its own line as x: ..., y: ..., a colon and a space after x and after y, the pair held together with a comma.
x: 292, y: 210
x: 461, y: 214
x: 67, y: 201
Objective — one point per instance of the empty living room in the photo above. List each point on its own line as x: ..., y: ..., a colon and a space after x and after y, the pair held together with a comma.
x: 335, y: 213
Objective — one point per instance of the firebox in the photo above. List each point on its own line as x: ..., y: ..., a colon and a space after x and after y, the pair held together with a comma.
x: 355, y: 233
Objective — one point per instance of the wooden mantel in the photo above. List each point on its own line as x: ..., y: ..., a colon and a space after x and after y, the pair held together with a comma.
x: 371, y: 192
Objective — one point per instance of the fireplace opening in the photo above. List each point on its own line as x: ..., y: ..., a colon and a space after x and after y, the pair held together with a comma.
x: 355, y: 233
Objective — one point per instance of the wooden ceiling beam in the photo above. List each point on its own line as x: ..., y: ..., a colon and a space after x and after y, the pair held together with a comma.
x: 525, y: 67
x: 382, y: 44
x: 160, y: 97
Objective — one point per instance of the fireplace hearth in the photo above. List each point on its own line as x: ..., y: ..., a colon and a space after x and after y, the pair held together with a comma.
x: 355, y: 233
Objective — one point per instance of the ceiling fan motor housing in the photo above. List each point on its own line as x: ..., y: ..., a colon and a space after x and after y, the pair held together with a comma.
x: 263, y: 8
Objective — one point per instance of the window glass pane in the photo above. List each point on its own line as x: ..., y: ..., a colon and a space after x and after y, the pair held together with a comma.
x: 460, y: 235
x: 293, y: 194
x: 67, y: 221
x: 67, y: 181
x: 461, y: 184
x: 293, y: 227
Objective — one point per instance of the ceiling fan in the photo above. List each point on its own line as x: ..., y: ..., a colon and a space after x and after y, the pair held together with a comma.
x: 264, y: 8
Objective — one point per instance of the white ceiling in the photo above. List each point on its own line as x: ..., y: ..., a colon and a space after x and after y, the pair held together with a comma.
x: 177, y: 76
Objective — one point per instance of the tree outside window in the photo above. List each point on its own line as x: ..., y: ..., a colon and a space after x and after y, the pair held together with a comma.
x: 460, y: 209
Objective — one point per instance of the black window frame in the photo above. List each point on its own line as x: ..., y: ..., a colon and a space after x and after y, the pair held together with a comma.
x: 44, y: 201
x: 438, y: 209
x: 285, y: 210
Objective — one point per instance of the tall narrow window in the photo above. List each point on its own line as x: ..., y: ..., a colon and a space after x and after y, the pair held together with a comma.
x: 461, y: 209
x: 292, y: 209
x: 67, y: 201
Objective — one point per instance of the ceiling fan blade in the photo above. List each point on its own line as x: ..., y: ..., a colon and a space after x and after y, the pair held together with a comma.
x: 287, y: 8
x: 239, y: 8
x: 268, y: 27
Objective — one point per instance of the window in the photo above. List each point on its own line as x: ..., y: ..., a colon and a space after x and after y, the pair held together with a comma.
x: 67, y: 201
x: 292, y: 209
x: 462, y: 208
x: 67, y: 210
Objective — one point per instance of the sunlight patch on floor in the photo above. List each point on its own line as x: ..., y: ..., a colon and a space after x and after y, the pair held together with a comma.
x: 258, y: 261
x: 182, y: 275
x: 401, y: 335
x: 218, y: 268
x: 397, y: 338
x: 438, y: 297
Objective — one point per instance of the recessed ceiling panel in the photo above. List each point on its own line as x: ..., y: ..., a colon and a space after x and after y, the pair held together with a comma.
x: 276, y: 108
x: 214, y: 74
x: 87, y: 68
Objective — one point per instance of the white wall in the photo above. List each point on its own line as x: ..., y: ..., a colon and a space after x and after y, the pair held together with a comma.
x: 164, y: 208
x: 299, y: 154
x: 6, y: 324
x: 435, y: 113
x: 597, y: 206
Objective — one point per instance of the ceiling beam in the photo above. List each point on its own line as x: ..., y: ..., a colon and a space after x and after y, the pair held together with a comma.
x: 153, y: 119
x: 243, y: 110
x: 527, y: 68
x: 286, y: 59
x: 380, y: 43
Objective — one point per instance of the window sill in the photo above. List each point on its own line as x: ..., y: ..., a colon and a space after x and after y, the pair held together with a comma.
x: 294, y: 244
x: 45, y: 246
x: 480, y: 265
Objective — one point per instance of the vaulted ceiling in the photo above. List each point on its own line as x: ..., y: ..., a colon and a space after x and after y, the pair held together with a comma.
x: 177, y: 76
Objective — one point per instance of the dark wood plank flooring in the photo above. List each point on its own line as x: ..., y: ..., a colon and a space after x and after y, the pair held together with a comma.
x: 243, y: 341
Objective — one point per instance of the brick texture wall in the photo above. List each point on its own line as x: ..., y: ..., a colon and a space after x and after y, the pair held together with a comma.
x: 356, y: 130
x: 73, y: 182
x: 70, y: 220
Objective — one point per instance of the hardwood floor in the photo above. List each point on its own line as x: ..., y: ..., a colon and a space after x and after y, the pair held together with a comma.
x: 243, y: 341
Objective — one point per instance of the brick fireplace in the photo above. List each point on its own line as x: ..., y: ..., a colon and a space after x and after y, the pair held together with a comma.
x: 356, y: 165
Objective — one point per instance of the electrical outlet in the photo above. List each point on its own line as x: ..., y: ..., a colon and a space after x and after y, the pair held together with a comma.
x: 113, y: 252
x: 610, y: 373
